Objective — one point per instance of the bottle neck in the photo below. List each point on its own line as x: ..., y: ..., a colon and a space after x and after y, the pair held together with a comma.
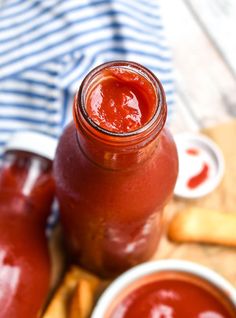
x: 27, y: 178
x: 123, y: 150
x: 114, y: 157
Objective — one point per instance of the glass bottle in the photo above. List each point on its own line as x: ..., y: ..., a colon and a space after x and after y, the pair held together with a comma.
x: 112, y: 186
x: 26, y: 195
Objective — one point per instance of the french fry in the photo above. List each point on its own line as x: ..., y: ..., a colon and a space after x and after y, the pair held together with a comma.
x: 204, y: 226
x: 77, y: 290
x: 82, y: 300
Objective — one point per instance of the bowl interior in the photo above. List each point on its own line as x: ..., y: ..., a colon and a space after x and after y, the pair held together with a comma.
x: 158, y: 270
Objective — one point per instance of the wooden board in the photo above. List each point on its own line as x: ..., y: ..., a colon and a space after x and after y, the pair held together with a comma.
x: 220, y: 259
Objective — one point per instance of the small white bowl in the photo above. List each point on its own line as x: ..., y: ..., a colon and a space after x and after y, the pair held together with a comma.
x: 190, y: 165
x: 145, y: 269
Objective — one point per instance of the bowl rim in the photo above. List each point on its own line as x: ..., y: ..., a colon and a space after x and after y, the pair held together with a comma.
x: 139, y: 271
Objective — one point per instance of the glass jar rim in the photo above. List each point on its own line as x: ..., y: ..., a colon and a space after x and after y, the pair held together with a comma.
x: 159, y: 117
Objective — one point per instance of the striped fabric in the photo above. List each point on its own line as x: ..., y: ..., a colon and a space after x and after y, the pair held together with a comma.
x: 48, y: 46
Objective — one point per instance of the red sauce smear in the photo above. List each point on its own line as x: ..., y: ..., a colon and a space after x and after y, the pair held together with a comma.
x: 198, y: 179
x: 171, y: 298
x: 192, y: 151
x: 121, y: 101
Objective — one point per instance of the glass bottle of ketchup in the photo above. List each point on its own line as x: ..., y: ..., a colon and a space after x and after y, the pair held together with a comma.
x: 26, y: 195
x: 115, y: 168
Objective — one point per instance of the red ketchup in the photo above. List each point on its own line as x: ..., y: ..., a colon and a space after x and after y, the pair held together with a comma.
x: 192, y: 151
x: 198, y: 179
x: 26, y: 194
x: 122, y: 101
x: 180, y: 297
x: 115, y: 168
x: 202, y: 176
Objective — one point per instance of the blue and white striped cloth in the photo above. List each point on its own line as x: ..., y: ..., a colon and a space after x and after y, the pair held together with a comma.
x: 48, y: 46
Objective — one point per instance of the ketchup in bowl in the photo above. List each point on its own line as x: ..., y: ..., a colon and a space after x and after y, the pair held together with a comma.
x: 176, y: 296
x: 115, y: 168
x: 168, y: 289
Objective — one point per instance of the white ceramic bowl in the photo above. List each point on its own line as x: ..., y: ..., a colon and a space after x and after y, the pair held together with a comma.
x: 140, y: 271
